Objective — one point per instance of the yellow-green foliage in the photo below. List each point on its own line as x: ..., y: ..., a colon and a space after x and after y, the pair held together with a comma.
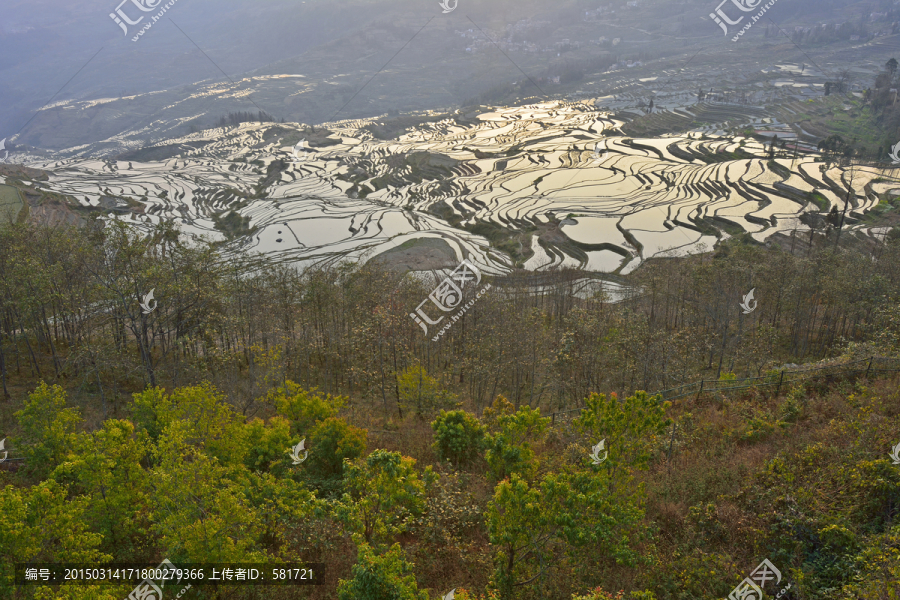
x: 331, y: 442
x: 421, y: 392
x: 458, y: 436
x: 304, y: 407
x: 383, y: 493
x: 381, y: 577
x: 509, y: 440
x: 48, y: 428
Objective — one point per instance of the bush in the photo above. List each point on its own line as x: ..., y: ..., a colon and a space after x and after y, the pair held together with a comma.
x: 303, y: 407
x: 458, y: 436
x: 384, y: 494
x: 266, y: 444
x: 509, y: 447
x: 331, y: 442
x: 48, y: 428
x: 419, y: 390
x: 386, y: 577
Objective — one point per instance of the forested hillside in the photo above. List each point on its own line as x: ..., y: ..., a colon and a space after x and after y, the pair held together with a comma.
x: 141, y: 428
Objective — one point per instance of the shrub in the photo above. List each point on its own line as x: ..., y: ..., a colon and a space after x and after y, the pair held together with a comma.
x: 383, y: 495
x: 458, y: 436
x: 331, y: 442
x: 48, y: 428
x: 303, y: 407
x: 266, y: 444
x: 419, y: 390
x: 385, y: 577
x: 509, y: 448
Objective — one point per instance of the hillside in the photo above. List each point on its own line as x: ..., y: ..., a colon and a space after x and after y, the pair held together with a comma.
x: 138, y: 437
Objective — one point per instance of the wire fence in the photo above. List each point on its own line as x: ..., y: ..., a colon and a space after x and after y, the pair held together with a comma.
x: 776, y: 379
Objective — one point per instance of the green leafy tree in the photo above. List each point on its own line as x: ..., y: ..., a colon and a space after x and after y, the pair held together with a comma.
x: 386, y: 577
x: 458, y: 436
x: 288, y: 514
x: 304, y: 407
x: 331, y: 442
x: 201, y: 413
x: 630, y: 428
x: 48, y: 428
x: 266, y: 445
x: 107, y: 469
x: 382, y: 494
x: 508, y: 445
x: 535, y: 528
x: 44, y: 524
x: 201, y: 510
x: 419, y: 390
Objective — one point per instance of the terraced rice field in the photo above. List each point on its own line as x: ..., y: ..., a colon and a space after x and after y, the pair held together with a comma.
x: 590, y: 196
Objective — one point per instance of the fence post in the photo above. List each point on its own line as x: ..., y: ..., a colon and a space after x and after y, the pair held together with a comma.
x: 701, y: 390
x: 780, y: 379
x: 869, y: 368
x: 552, y: 419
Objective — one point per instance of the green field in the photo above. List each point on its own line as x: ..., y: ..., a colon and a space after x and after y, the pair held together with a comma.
x: 10, y: 203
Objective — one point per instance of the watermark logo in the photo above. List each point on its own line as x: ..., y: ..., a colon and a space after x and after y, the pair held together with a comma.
x: 722, y: 19
x: 749, y: 304
x: 6, y: 154
x: 895, y: 454
x: 301, y: 151
x: 451, y: 595
x: 145, y: 305
x: 895, y: 153
x: 123, y: 20
x: 596, y: 450
x: 598, y: 157
x: 296, y: 450
x: 445, y: 4
x: 5, y: 453
x: 449, y: 295
x: 751, y: 588
x: 149, y: 590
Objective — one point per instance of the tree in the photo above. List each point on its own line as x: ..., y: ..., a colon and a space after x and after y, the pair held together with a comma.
x: 266, y: 445
x: 107, y: 470
x: 44, y: 524
x: 304, y: 407
x: 386, y: 577
x: 200, y: 413
x: 458, y: 436
x: 630, y: 428
x: 421, y: 391
x: 508, y: 444
x: 48, y: 428
x: 332, y: 442
x: 382, y: 493
x: 891, y: 66
x: 202, y: 513
x: 567, y: 515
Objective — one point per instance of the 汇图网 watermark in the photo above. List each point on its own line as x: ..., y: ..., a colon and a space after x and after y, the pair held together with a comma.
x: 448, y: 296
x: 749, y: 304
x: 146, y: 306
x: 296, y: 450
x: 895, y: 153
x: 123, y: 20
x: 751, y: 588
x: 595, y: 452
x: 721, y: 18
x: 149, y: 590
